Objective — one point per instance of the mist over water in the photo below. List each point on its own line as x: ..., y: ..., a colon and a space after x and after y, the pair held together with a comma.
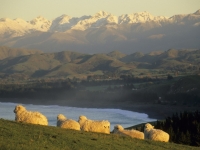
x: 115, y: 116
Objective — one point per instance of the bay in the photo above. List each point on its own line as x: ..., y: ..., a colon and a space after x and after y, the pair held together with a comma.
x: 114, y: 116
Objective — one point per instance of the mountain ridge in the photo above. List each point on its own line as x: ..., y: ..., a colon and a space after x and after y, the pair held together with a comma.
x: 103, y: 32
x: 41, y: 24
x: 75, y: 64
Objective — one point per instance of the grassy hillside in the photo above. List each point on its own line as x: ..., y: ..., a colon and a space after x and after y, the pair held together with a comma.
x: 116, y: 54
x: 73, y: 64
x: 19, y: 136
x: 6, y: 52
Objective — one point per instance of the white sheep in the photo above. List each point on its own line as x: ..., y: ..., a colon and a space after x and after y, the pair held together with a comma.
x: 63, y: 122
x: 102, y: 126
x: 22, y: 115
x: 155, y: 134
x: 118, y: 129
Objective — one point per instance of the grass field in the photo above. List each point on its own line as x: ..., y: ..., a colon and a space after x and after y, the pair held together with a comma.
x: 20, y: 136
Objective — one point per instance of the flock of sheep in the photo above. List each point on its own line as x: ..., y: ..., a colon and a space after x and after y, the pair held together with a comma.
x: 84, y: 124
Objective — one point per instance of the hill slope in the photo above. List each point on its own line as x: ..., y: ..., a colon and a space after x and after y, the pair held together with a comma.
x: 42, y: 137
x: 74, y: 64
x: 6, y: 52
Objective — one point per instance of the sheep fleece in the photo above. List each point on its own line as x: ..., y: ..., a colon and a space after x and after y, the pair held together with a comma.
x: 67, y: 123
x: 94, y: 126
x: 22, y: 115
x: 132, y: 133
x: 156, y: 134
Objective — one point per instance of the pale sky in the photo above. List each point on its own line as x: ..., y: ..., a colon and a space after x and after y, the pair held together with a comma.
x: 50, y: 9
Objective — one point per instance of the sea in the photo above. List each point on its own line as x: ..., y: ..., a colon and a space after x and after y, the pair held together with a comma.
x: 114, y: 116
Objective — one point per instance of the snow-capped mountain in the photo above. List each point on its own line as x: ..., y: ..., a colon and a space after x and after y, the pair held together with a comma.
x: 20, y: 27
x: 186, y: 18
x: 103, y: 31
x: 100, y: 19
x: 41, y: 24
x: 140, y: 17
x: 14, y: 28
x: 63, y: 23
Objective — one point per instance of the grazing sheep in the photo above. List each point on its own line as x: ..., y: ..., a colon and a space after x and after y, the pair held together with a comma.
x: 118, y: 129
x: 155, y: 134
x: 94, y: 125
x: 22, y: 115
x: 63, y: 122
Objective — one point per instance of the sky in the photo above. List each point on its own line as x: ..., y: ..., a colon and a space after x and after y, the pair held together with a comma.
x: 50, y: 9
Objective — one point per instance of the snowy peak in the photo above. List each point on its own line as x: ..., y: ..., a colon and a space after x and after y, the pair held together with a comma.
x: 20, y: 21
x: 99, y: 19
x: 186, y: 18
x: 38, y: 19
x: 5, y: 19
x: 19, y: 27
x: 60, y: 23
x: 65, y: 22
x: 62, y: 19
x: 139, y: 17
x: 14, y: 28
x: 112, y: 19
x: 101, y: 14
x: 197, y: 12
x: 40, y: 23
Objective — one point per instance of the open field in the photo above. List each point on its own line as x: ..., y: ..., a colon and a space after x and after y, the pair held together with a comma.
x: 19, y: 136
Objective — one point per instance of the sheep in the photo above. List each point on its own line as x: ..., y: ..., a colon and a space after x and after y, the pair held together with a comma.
x: 63, y: 122
x: 155, y: 134
x: 22, y: 115
x: 118, y: 129
x: 94, y: 125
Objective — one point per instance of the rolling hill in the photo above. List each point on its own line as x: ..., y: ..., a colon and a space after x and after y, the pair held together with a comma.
x: 74, y: 64
x: 6, y: 52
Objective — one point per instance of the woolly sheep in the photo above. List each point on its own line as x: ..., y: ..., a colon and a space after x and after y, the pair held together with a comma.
x: 63, y: 122
x: 94, y: 125
x: 22, y: 115
x: 155, y: 134
x: 118, y: 129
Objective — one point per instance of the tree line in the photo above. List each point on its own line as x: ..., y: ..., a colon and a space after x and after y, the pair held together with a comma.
x: 183, y: 128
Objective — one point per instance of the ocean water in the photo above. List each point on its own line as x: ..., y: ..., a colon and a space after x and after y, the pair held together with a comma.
x: 114, y: 116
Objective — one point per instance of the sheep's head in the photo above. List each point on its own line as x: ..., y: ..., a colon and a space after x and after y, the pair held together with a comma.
x: 106, y: 124
x: 148, y: 126
x: 61, y: 117
x: 118, y: 127
x: 82, y: 117
x: 19, y: 108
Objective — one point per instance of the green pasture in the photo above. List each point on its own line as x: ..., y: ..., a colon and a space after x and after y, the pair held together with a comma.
x: 20, y: 136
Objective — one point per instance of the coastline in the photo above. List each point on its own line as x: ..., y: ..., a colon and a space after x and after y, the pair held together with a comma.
x: 154, y: 111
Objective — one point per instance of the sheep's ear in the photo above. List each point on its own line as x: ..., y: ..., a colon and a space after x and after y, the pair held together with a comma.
x: 17, y: 108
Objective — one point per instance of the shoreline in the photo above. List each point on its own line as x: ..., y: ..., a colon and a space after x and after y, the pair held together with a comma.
x: 154, y: 111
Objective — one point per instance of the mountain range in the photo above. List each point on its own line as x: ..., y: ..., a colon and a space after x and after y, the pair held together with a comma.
x: 18, y: 62
x: 103, y: 32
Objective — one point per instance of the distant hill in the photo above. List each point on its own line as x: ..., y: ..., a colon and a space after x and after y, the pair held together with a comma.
x: 6, y: 52
x: 116, y: 54
x: 74, y: 64
x: 188, y: 84
x: 64, y: 63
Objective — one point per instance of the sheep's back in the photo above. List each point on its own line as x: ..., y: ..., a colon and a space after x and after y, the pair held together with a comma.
x: 158, y: 135
x: 131, y: 133
x: 96, y: 126
x: 31, y: 117
x: 70, y: 124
